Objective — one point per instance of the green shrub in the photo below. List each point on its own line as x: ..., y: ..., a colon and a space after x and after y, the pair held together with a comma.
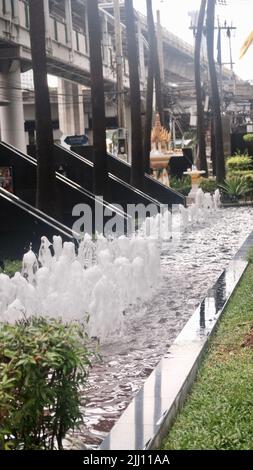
x: 208, y: 185
x: 239, y: 163
x: 42, y: 367
x: 246, y: 175
x: 182, y: 185
x: 248, y: 138
x: 235, y: 187
x: 184, y: 190
x: 10, y: 267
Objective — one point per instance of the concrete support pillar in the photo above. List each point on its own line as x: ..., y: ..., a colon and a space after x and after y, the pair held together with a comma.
x: 12, y: 116
x: 65, y: 105
x: 105, y: 39
x: 78, y: 109
x: 70, y: 106
x: 16, y: 8
x: 11, y: 14
x: 129, y: 132
x: 120, y: 66
x: 12, y: 8
x: 47, y: 18
x: 87, y: 39
x: 160, y: 44
x: 69, y: 24
x: 8, y: 9
x: 141, y: 54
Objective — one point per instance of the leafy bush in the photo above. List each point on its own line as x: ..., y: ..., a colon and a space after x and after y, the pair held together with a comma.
x: 208, y: 185
x: 42, y: 366
x: 10, y: 267
x: 235, y: 187
x: 182, y: 185
x: 245, y: 175
x: 239, y: 163
x: 248, y: 138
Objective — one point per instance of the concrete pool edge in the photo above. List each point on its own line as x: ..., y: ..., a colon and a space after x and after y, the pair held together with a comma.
x: 151, y: 413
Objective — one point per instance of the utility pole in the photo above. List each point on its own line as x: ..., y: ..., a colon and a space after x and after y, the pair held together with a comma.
x: 119, y: 63
x: 150, y: 84
x: 159, y: 69
x: 220, y: 62
x: 160, y: 43
x: 228, y: 29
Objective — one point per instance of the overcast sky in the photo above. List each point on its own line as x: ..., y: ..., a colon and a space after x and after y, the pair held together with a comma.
x: 174, y: 16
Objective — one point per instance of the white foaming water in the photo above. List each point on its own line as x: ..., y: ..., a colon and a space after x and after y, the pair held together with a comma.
x: 168, y: 225
x: 99, y: 281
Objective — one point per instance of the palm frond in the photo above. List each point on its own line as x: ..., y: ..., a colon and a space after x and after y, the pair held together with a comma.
x: 246, y: 44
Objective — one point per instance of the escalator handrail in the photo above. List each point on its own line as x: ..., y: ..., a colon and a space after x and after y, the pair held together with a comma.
x: 111, y: 175
x: 37, y: 213
x: 171, y: 190
x: 64, y: 179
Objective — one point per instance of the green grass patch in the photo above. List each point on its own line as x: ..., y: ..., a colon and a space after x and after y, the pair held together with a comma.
x: 218, y: 412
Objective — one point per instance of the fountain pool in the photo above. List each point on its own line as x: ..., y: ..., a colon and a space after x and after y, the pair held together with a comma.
x: 188, y: 268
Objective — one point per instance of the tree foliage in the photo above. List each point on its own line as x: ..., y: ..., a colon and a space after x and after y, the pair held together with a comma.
x: 43, y: 364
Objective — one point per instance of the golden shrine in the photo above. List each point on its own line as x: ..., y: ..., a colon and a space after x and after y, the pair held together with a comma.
x: 161, y: 152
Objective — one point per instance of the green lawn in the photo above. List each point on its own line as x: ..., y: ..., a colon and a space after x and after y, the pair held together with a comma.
x: 219, y: 411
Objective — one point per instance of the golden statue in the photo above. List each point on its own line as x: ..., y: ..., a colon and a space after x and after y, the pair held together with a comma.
x: 160, y: 151
x: 160, y: 137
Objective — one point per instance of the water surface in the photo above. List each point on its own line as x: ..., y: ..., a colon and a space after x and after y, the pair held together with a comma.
x: 188, y: 271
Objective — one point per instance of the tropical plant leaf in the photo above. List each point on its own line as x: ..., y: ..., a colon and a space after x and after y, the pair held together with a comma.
x: 236, y: 186
x: 248, y: 42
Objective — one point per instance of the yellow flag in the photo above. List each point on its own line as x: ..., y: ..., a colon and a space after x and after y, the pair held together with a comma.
x: 246, y: 44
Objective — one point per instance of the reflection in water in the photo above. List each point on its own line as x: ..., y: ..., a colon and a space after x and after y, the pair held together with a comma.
x: 139, y: 436
x: 220, y: 292
x: 202, y: 316
x: 158, y: 390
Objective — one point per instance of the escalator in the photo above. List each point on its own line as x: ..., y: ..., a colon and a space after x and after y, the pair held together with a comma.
x: 122, y: 171
x: 68, y: 193
x: 22, y: 226
x: 80, y: 170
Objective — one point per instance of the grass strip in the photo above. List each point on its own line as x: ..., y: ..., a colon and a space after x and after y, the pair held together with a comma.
x: 218, y: 414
